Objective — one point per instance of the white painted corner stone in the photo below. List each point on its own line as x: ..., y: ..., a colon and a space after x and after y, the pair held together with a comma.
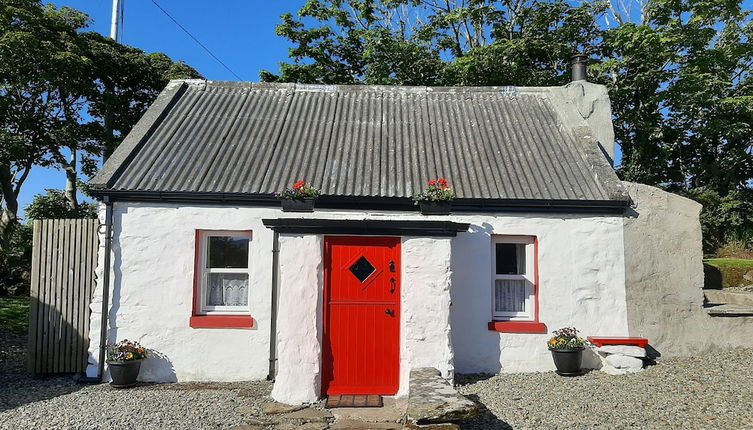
x: 629, y: 350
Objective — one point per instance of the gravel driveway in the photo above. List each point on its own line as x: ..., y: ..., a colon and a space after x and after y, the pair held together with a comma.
x: 711, y: 391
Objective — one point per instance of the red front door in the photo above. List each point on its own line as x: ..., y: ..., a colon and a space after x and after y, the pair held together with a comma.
x: 361, y: 315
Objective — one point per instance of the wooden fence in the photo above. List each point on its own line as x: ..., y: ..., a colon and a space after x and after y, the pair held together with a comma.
x: 64, y: 259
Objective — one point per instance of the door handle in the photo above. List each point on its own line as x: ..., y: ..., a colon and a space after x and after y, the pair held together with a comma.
x: 390, y: 312
x: 392, y: 266
x: 392, y: 283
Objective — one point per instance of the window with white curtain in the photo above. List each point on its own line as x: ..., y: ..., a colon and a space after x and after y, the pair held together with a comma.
x: 223, y: 272
x: 513, y: 288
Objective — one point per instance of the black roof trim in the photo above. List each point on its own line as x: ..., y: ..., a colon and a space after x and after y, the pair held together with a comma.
x: 366, y: 227
x: 370, y: 202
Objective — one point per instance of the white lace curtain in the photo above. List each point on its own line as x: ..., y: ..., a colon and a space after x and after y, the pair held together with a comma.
x: 510, y: 295
x: 227, y: 289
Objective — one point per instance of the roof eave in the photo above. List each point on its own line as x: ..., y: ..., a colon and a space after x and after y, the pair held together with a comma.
x: 369, y: 202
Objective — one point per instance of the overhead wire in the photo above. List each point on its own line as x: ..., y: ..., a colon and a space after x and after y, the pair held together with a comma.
x: 196, y: 40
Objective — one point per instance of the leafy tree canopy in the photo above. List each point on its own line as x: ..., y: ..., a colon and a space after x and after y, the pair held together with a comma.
x: 54, y: 205
x: 67, y: 96
x: 678, y: 71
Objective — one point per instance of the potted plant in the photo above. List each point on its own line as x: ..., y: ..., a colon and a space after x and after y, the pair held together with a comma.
x: 298, y: 198
x: 124, y: 361
x: 567, y: 351
x: 436, y: 199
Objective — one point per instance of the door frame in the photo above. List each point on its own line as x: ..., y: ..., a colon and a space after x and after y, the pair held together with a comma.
x: 328, y: 239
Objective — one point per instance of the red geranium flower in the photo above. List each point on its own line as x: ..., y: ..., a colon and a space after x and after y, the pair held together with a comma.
x: 442, y: 182
x: 432, y: 182
x: 299, y: 185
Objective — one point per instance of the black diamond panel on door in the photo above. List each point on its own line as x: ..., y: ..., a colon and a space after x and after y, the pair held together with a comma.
x: 362, y: 269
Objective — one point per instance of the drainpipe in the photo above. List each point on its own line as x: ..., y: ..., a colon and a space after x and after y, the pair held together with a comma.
x: 105, y: 289
x: 105, y: 295
x: 273, y: 318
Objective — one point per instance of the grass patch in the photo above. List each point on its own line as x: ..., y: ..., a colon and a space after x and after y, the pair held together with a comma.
x: 730, y: 262
x: 14, y: 314
x: 730, y: 270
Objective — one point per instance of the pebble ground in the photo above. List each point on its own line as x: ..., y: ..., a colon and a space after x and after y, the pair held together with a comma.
x: 711, y: 391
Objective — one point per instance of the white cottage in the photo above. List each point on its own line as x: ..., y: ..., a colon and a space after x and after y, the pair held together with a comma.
x: 207, y: 271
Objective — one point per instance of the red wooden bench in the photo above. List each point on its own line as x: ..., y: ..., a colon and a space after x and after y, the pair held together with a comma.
x: 640, y: 342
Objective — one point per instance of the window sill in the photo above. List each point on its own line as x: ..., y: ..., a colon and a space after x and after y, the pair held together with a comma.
x: 518, y: 327
x: 222, y: 321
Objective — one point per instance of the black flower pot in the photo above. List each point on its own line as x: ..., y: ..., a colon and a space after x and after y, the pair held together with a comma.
x: 298, y: 205
x: 435, y: 208
x: 568, y: 361
x: 124, y: 373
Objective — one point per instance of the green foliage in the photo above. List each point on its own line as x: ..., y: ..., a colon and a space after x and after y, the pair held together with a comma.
x: 405, y: 42
x: 67, y: 96
x: 678, y: 73
x: 724, y: 218
x: 14, y: 314
x: 15, y: 262
x: 53, y: 204
x: 732, y: 271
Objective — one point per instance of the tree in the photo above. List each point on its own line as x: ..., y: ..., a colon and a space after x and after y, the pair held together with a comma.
x: 680, y: 86
x: 54, y: 205
x: 434, y: 42
x: 678, y: 72
x: 66, y: 96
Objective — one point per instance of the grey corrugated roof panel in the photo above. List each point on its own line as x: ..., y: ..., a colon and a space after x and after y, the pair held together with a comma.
x: 489, y: 142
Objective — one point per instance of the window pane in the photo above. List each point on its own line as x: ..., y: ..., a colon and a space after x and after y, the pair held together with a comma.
x: 227, y: 251
x: 227, y: 289
x: 510, y: 295
x: 510, y: 258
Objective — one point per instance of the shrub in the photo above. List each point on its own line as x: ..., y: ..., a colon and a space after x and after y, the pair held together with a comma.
x: 725, y: 219
x: 732, y: 271
x: 15, y: 262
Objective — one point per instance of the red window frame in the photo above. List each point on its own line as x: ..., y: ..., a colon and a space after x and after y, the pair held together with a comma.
x: 199, y: 320
x: 535, y: 326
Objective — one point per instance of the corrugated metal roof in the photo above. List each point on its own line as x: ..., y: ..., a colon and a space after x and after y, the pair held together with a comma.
x: 490, y: 143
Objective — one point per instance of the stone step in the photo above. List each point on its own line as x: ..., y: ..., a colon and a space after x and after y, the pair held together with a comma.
x: 721, y: 297
x: 729, y: 311
x: 433, y: 400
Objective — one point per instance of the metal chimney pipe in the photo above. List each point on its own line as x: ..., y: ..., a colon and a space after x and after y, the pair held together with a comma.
x: 579, y: 66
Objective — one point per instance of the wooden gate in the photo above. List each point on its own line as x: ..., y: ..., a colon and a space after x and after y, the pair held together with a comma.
x: 64, y: 259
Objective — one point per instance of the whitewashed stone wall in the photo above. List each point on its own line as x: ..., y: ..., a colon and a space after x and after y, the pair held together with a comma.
x: 445, y: 283
x: 425, y: 339
x: 299, y: 330
x: 581, y: 284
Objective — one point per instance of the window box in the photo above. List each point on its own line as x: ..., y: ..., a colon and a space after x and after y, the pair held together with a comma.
x: 435, y: 207
x: 305, y: 204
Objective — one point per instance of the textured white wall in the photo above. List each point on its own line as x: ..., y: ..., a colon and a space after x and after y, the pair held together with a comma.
x: 151, y: 301
x: 581, y: 273
x: 425, y: 311
x: 581, y: 284
x: 299, y: 322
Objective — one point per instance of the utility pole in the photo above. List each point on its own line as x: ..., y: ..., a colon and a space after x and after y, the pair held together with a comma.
x: 117, y: 9
x: 115, y: 34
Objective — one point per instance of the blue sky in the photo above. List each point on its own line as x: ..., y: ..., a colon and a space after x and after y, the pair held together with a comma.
x: 240, y: 32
